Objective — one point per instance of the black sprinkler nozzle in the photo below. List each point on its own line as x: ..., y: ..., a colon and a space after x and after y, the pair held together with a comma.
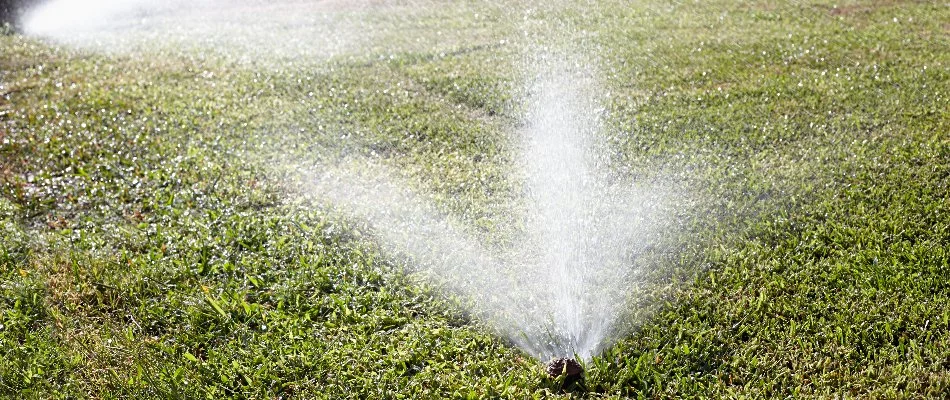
x: 569, y: 367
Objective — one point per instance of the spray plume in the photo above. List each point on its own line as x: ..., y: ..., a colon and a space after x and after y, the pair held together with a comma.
x: 559, y: 291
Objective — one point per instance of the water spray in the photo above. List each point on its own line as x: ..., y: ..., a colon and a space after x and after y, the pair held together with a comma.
x: 558, y: 292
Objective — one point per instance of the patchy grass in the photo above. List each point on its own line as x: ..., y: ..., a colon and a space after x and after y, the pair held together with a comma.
x: 149, y: 246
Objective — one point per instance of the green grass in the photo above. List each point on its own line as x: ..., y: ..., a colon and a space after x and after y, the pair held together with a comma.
x: 153, y: 243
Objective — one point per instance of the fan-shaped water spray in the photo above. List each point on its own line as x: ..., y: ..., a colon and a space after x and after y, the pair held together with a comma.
x: 559, y: 290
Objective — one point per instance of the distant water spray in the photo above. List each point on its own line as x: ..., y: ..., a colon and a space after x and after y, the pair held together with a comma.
x: 560, y: 290
x: 255, y: 31
x: 70, y: 17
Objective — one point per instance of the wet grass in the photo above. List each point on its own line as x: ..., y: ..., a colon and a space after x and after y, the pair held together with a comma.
x: 153, y: 243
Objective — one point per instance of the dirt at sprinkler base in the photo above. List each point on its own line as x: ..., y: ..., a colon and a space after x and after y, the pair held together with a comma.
x: 565, y: 366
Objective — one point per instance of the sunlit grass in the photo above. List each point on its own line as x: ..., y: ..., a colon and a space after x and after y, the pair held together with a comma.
x: 152, y: 241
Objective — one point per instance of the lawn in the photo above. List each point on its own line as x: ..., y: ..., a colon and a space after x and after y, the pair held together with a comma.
x: 157, y: 240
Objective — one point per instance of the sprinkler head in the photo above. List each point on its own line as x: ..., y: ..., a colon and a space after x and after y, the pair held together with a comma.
x: 568, y: 367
